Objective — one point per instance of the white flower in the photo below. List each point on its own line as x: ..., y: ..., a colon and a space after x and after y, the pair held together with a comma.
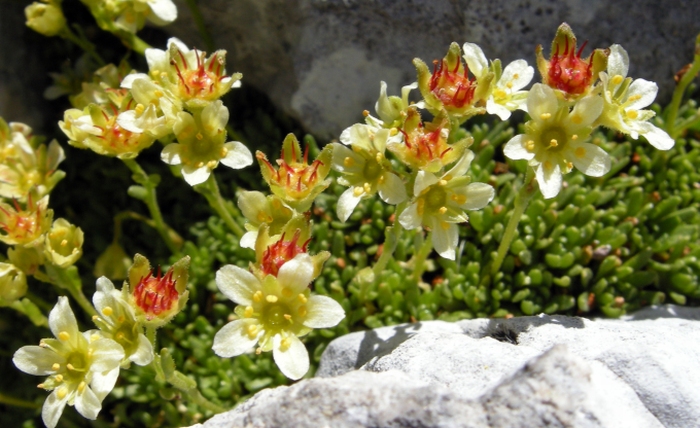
x: 202, y: 144
x: 259, y: 209
x: 274, y: 312
x: 440, y: 203
x: 505, y: 94
x: 117, y: 321
x: 365, y: 169
x: 625, y: 99
x: 554, y: 139
x: 82, y: 368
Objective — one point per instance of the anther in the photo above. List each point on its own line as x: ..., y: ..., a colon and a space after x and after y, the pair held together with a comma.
x: 367, y: 187
x: 199, y: 136
x: 617, y: 79
x: 553, y: 143
x: 632, y: 114
x: 443, y: 210
x: 63, y: 335
x: 81, y: 386
x: 545, y: 116
x: 442, y: 182
x: 574, y: 137
x: 302, y: 311
x: 258, y: 296
x: 271, y: 298
x: 302, y: 298
x: 107, y: 311
x: 69, y: 366
x: 58, y: 378
x: 288, y: 317
x: 580, y: 152
x: 358, y: 191
x: 55, y: 366
x: 64, y: 243
x: 348, y: 162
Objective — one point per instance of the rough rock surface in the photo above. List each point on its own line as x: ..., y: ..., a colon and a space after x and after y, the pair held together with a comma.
x: 322, y: 60
x: 560, y: 371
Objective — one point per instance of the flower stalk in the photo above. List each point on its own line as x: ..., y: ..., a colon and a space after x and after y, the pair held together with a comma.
x: 672, y: 128
x: 522, y: 199
x: 210, y: 190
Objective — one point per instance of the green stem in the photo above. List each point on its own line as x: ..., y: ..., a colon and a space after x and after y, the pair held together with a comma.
x: 197, y: 397
x: 420, y: 257
x: 149, y: 183
x: 201, y: 26
x: 132, y: 41
x: 68, y: 279
x: 210, y: 190
x: 12, y: 401
x: 392, y: 235
x: 521, y: 202
x: 672, y: 112
x: 83, y: 44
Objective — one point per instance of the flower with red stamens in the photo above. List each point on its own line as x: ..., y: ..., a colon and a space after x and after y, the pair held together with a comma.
x: 157, y: 298
x: 272, y: 252
x: 190, y: 75
x: 449, y: 86
x: 281, y: 252
x: 96, y: 128
x: 295, y: 181
x: 566, y: 70
x: 25, y: 227
x: 424, y: 146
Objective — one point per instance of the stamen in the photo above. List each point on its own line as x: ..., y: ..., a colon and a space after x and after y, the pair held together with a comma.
x: 63, y: 335
x: 107, y: 311
x: 358, y: 191
x: 545, y: 116
x: 258, y: 296
x: 271, y: 298
x: 580, y: 152
x: 302, y: 311
x: 348, y: 162
x: 443, y: 210
x: 302, y: 298
x: 56, y: 366
x: 248, y: 312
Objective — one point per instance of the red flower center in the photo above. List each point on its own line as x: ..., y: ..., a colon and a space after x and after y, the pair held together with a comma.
x: 156, y: 295
x: 568, y: 72
x: 281, y: 252
x: 450, y: 87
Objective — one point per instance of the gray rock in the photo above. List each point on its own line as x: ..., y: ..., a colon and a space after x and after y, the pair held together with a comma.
x: 322, y: 60
x: 553, y: 389
x: 640, y: 371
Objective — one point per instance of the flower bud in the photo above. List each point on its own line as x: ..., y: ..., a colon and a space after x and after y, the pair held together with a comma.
x: 27, y: 260
x: 13, y: 284
x: 63, y: 245
x: 113, y: 262
x: 46, y: 19
x: 157, y: 299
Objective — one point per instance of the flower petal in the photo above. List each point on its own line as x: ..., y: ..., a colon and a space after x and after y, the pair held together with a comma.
x: 618, y: 61
x: 445, y: 238
x: 164, y: 11
x: 462, y: 166
x: 478, y: 196
x: 129, y: 79
x: 347, y: 203
x: 423, y: 181
x: 194, y: 176
x: 106, y: 354
x: 549, y: 180
x: 296, y: 274
x: 35, y: 360
x: 294, y: 360
x: 391, y: 189
x: 409, y: 218
x: 586, y: 111
x: 518, y: 73
x: 237, y: 284
x: 144, y: 352
x: 233, y: 338
x: 657, y: 137
x: 53, y: 408
x: 645, y: 91
x: 541, y: 99
x: 61, y: 319
x: 129, y: 121
x: 323, y: 312
x: 590, y: 159
x: 103, y: 382
x: 88, y: 404
x: 494, y: 108
x: 515, y: 148
x: 248, y: 240
x: 237, y: 155
x: 171, y: 154
x: 475, y: 58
